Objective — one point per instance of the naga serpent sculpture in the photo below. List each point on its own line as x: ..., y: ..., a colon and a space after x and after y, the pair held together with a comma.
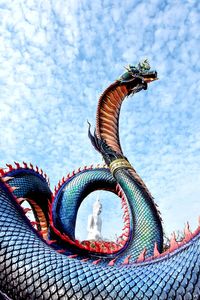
x: 43, y: 260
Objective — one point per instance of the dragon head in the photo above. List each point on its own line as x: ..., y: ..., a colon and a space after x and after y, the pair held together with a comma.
x: 141, y: 73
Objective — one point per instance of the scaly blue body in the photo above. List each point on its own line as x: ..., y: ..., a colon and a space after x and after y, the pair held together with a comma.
x: 31, y: 269
x: 49, y: 263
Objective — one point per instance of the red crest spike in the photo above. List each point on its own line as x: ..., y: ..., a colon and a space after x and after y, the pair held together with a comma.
x: 2, y: 172
x: 126, y: 261
x: 112, y: 262
x: 25, y: 165
x: 117, y: 187
x: 73, y: 256
x: 51, y: 242
x: 17, y: 165
x: 142, y: 255
x: 187, y: 232
x: 173, y: 242
x: 31, y: 166
x: 41, y: 171
x: 156, y: 253
x: 84, y: 259
x: 10, y: 167
x: 37, y: 169
x: 77, y: 243
x: 95, y: 262
x: 61, y: 251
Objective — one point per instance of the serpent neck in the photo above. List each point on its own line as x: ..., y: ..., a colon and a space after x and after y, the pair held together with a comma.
x: 146, y: 228
x: 107, y: 117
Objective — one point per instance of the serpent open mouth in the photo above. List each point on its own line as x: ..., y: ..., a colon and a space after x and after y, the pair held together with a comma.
x: 151, y: 76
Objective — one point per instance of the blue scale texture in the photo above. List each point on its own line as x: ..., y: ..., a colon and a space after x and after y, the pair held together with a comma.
x: 31, y: 269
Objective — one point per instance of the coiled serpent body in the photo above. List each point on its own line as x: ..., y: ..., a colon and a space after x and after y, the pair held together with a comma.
x: 43, y: 260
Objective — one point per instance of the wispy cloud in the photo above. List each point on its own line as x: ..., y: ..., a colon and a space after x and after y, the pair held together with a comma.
x: 57, y: 57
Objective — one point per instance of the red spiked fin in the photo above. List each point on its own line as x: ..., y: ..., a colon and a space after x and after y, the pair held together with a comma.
x: 187, y: 232
x: 25, y: 164
x: 173, y: 242
x: 112, y: 262
x: 17, y: 164
x: 96, y: 261
x: 141, y: 257
x: 84, y: 259
x: 156, y: 253
x: 73, y: 256
x: 51, y: 242
x: 61, y: 251
x: 2, y: 172
x: 126, y: 261
x: 10, y: 167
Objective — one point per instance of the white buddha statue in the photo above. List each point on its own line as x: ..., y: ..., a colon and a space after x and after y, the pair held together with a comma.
x: 95, y: 222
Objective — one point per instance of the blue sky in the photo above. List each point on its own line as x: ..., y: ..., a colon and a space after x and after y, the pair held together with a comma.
x: 56, y: 57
